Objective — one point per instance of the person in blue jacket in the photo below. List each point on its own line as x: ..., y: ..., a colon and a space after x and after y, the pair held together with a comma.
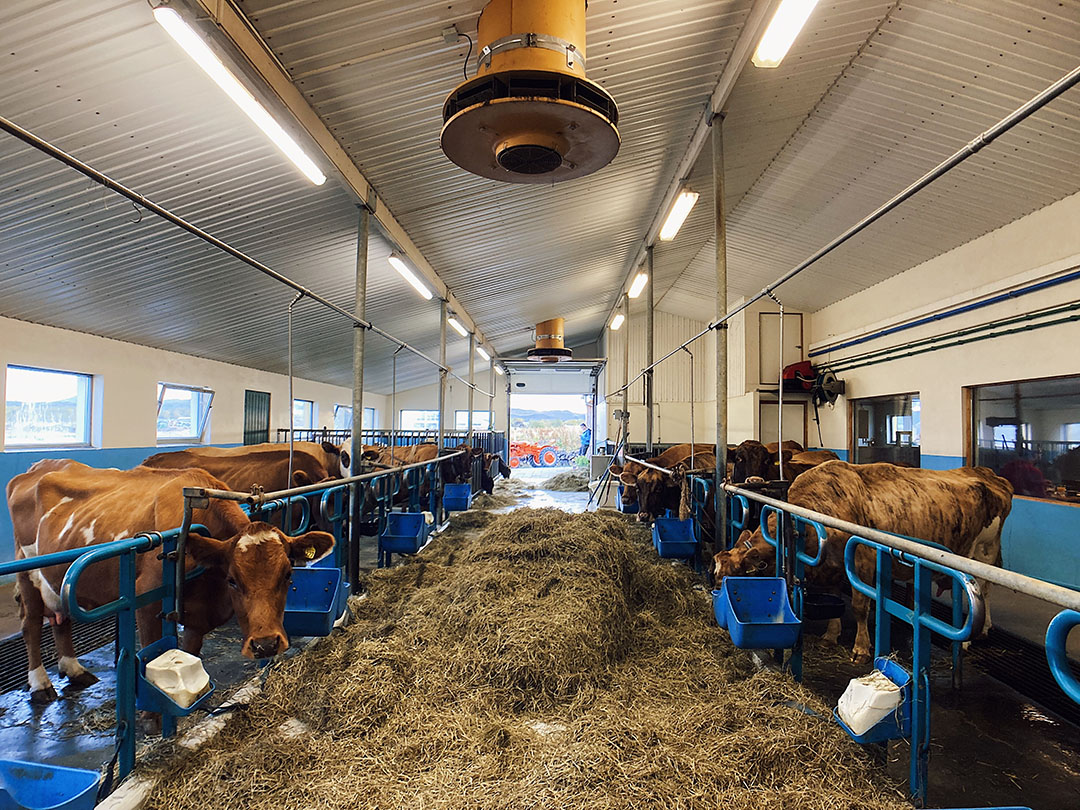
x: 586, y: 439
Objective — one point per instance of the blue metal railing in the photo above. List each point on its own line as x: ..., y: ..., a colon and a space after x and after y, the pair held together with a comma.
x: 1057, y: 635
x: 923, y: 625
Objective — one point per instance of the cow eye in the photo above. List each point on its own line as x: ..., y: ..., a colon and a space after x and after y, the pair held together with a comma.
x: 233, y: 583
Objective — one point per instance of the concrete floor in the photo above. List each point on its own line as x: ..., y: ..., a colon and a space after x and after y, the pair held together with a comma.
x: 991, y: 747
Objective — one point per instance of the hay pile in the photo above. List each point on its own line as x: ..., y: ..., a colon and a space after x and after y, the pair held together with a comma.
x: 573, y: 480
x: 549, y: 661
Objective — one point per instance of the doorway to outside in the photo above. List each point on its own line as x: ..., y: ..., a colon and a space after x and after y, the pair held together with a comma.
x: 549, y: 431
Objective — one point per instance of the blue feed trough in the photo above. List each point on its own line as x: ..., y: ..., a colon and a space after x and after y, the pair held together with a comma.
x: 343, y: 586
x: 457, y: 497
x: 719, y: 607
x: 311, y: 603
x: 148, y: 697
x: 623, y: 506
x: 30, y: 786
x: 406, y: 533
x: 674, y: 538
x: 896, y: 725
x: 758, y: 613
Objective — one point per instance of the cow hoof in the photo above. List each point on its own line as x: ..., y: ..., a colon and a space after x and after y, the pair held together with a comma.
x: 43, y: 697
x: 860, y: 658
x: 82, y: 680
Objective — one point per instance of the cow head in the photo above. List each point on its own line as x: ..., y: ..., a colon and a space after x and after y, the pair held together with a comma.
x: 750, y: 555
x: 493, y: 465
x: 257, y: 564
x: 341, y: 455
x: 752, y: 460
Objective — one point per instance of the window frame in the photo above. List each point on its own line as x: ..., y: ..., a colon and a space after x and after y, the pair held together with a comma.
x: 367, y: 409
x: 853, y: 423
x: 971, y: 417
x: 465, y: 427
x: 204, y: 420
x: 403, y: 411
x: 88, y: 408
x: 312, y: 415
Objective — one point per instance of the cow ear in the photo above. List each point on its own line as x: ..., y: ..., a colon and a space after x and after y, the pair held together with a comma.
x: 301, y: 478
x: 616, y: 469
x: 745, y: 536
x: 331, y: 448
x: 628, y: 478
x: 370, y: 455
x: 310, y: 546
x: 345, y: 458
x: 207, y: 551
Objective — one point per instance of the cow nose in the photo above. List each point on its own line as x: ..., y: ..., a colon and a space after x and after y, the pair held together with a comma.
x: 265, y: 647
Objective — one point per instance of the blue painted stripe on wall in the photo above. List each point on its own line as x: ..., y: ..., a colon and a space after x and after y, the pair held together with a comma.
x: 15, y: 462
x: 929, y: 462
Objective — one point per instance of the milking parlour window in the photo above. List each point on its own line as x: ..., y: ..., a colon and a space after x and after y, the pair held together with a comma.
x: 886, y: 429
x: 481, y: 420
x: 1029, y: 433
x: 46, y: 408
x: 303, y: 414
x: 183, y: 413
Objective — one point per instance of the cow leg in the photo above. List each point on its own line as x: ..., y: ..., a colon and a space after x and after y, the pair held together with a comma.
x: 832, y: 632
x: 860, y: 605
x: 33, y: 613
x: 987, y: 549
x: 78, y: 676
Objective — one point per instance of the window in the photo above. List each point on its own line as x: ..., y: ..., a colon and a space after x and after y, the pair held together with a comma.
x: 303, y: 414
x: 481, y: 420
x: 47, y: 408
x: 886, y: 429
x: 419, y: 420
x: 343, y: 418
x: 1029, y: 433
x: 183, y: 413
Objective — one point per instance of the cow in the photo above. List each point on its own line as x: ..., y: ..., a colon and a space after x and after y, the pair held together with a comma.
x: 60, y: 504
x: 493, y: 465
x: 961, y: 509
x: 795, y: 464
x: 650, y: 488
x: 756, y: 460
x: 1026, y: 478
x: 264, y: 466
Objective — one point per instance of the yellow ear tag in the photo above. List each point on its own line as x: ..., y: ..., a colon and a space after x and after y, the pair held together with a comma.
x: 309, y: 552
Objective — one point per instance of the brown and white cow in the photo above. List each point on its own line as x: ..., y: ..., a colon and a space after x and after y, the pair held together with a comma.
x: 265, y: 466
x: 961, y: 509
x: 650, y: 488
x: 60, y: 504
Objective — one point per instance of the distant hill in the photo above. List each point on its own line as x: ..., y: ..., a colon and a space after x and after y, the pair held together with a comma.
x: 518, y: 415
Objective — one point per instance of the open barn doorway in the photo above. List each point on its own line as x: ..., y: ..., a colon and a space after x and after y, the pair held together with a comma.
x: 549, y: 433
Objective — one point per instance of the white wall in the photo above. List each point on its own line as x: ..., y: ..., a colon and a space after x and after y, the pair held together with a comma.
x: 126, y: 377
x: 1044, y: 243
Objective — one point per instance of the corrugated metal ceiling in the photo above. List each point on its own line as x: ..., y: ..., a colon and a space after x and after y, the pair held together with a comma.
x: 934, y: 76
x: 854, y: 114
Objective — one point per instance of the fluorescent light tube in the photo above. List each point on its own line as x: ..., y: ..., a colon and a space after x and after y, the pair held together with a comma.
x: 616, y: 322
x: 398, y: 263
x: 640, y: 280
x: 778, y: 38
x: 680, y: 210
x: 480, y: 351
x: 461, y: 330
x: 498, y: 370
x: 198, y: 50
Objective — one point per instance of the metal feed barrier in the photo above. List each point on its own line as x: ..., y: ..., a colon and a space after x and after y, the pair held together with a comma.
x: 924, y: 561
x: 491, y: 441
x: 341, y: 507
